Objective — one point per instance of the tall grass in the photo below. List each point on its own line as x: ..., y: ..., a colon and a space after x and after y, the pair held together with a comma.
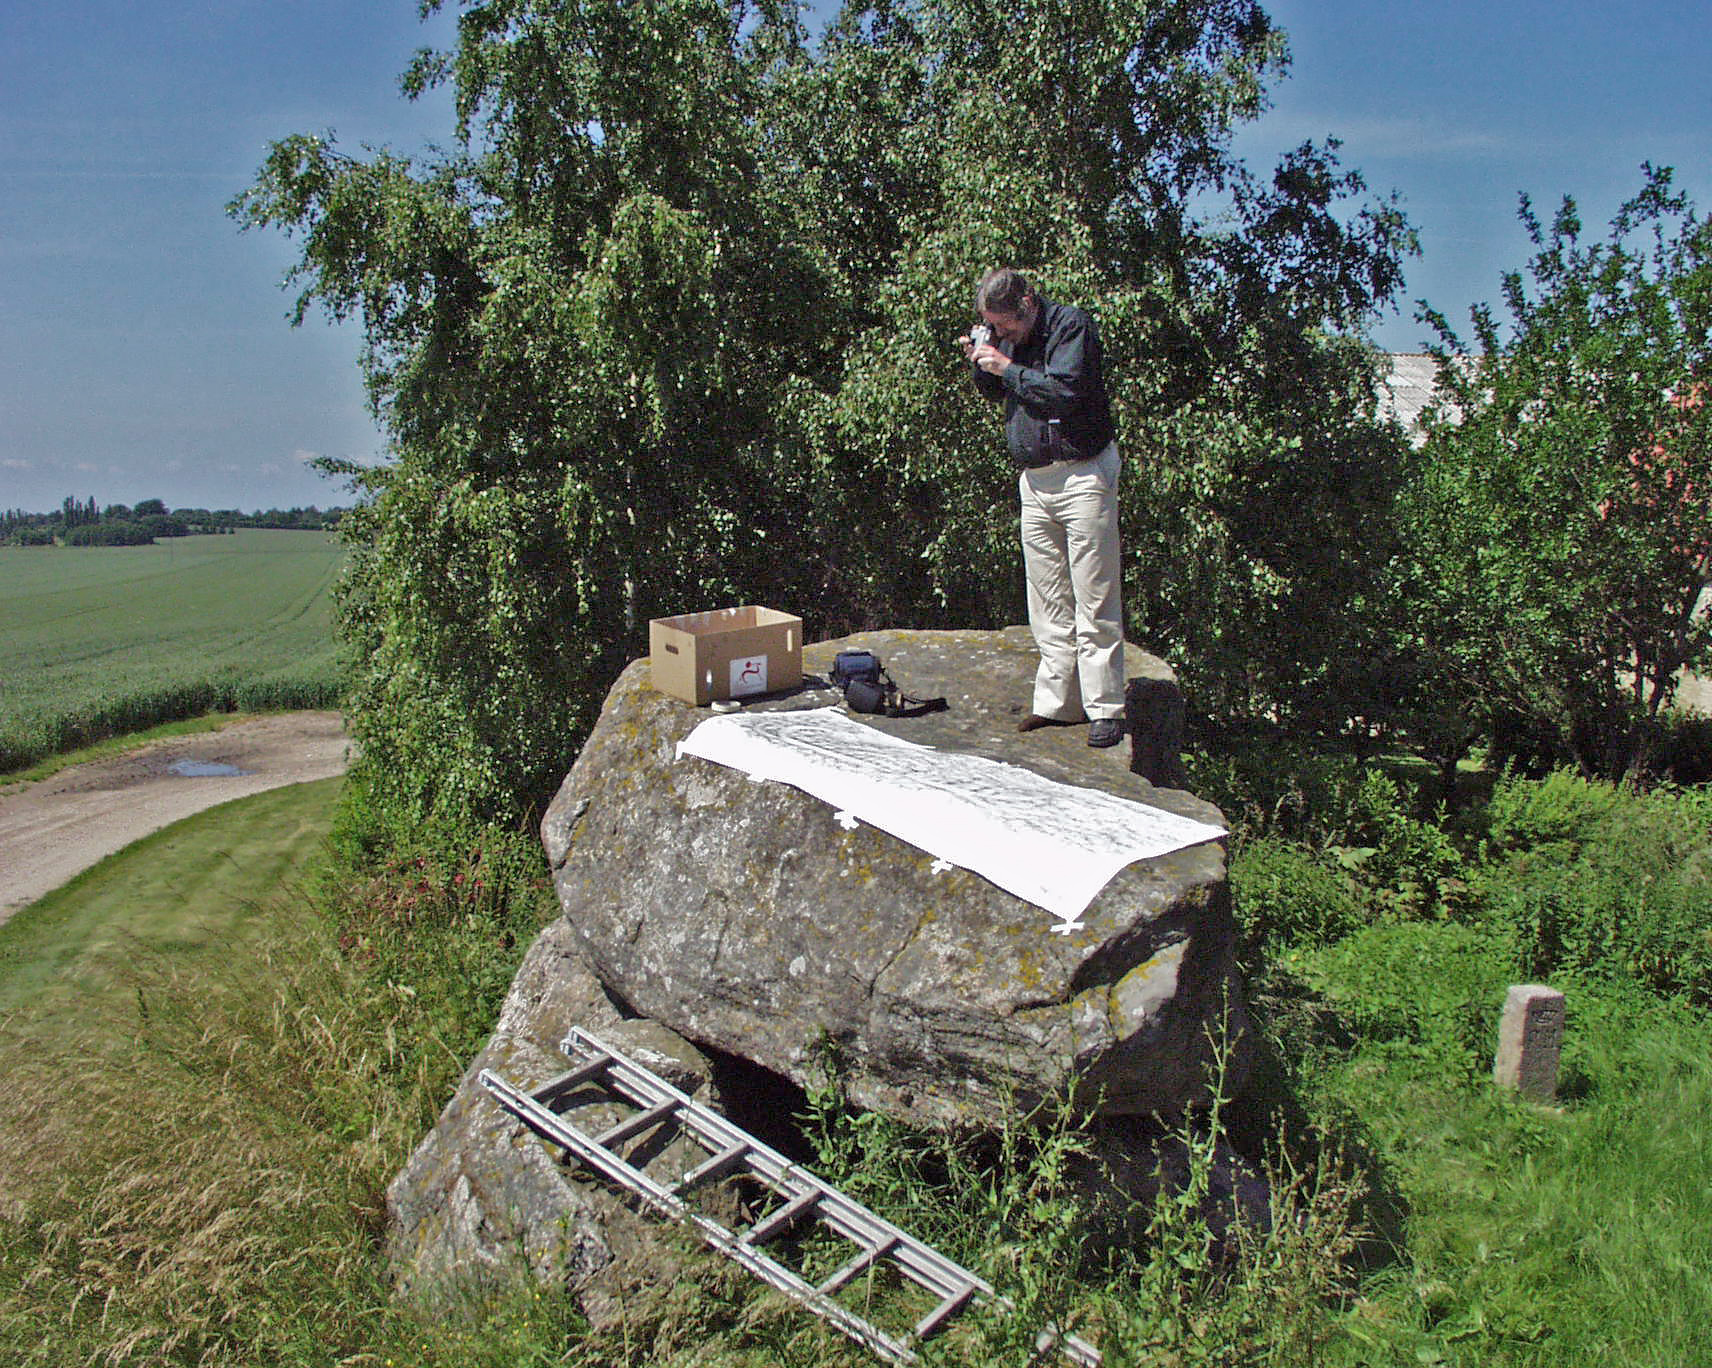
x: 199, y: 1140
x: 206, y: 1141
x: 27, y: 740
x: 214, y: 1192
x: 108, y: 641
x: 1026, y: 1206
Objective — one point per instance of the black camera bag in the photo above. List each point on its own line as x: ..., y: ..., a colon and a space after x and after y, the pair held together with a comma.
x: 869, y: 689
x: 867, y: 696
x: 851, y: 666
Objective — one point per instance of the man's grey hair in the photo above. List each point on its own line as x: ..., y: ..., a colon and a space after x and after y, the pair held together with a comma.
x: 1002, y: 290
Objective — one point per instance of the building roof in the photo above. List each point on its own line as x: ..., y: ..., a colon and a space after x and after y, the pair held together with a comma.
x: 1407, y: 389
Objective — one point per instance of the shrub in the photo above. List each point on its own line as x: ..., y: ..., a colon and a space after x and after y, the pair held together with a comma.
x: 1356, y: 816
x: 1283, y: 894
x: 1412, y: 865
x: 114, y: 533
x: 1270, y: 786
x: 1684, y: 751
x: 29, y: 535
x: 1431, y: 991
x: 1562, y: 809
x: 1583, y: 877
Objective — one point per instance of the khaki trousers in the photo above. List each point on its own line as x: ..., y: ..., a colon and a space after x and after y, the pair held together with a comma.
x: 1075, y: 583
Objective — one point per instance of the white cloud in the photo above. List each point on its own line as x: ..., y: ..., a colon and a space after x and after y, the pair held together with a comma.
x: 1380, y: 136
x: 1390, y: 137
x: 305, y: 457
x: 13, y: 463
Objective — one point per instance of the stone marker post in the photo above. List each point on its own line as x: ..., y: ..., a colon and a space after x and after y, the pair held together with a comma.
x: 1529, y: 1039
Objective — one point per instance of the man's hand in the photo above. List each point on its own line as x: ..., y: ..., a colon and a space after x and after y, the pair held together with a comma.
x: 990, y: 359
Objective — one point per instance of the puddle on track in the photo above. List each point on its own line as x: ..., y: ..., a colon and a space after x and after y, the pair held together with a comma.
x: 203, y: 769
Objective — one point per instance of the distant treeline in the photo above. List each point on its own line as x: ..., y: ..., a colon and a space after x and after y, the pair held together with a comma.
x: 81, y: 523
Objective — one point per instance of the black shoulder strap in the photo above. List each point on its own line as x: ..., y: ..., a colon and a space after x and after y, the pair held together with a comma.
x: 905, y: 706
x: 900, y: 704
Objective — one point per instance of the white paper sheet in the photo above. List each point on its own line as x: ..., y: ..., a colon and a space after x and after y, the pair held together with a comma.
x: 1054, y: 844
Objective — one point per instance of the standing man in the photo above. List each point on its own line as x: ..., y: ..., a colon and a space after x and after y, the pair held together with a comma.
x: 1043, y: 360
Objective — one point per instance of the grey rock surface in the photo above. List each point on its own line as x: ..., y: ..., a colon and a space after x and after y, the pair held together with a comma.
x: 744, y: 917
x: 482, y: 1198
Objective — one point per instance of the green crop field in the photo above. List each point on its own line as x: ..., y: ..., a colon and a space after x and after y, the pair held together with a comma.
x: 105, y: 640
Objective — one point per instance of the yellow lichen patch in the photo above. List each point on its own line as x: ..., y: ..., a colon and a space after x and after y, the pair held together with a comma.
x: 1029, y: 970
x: 1139, y: 993
x: 1094, y: 1001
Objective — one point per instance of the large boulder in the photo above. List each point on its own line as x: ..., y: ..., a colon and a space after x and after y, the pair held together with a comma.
x: 745, y: 917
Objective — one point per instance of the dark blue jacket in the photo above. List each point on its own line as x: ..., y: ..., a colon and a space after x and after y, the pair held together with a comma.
x: 1054, y: 390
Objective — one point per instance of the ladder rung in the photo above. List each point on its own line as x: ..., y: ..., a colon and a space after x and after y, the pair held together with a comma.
x: 720, y: 1163
x: 1078, y: 1351
x: 858, y: 1264
x: 780, y: 1219
x: 934, y: 1321
x: 636, y: 1124
x: 556, y: 1087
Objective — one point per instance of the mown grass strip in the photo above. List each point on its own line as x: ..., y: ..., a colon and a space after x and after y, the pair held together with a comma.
x: 181, y: 898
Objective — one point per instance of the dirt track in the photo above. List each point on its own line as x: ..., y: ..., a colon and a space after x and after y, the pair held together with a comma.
x: 52, y: 830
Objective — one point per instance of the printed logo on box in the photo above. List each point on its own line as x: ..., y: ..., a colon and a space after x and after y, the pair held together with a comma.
x: 749, y: 676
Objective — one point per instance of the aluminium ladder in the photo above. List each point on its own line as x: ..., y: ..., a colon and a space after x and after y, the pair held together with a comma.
x: 733, y: 1151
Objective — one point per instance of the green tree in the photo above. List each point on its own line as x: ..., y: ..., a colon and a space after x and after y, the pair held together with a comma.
x: 671, y: 326
x: 1089, y: 144
x: 576, y: 325
x: 74, y: 511
x: 1560, y: 517
x: 162, y: 525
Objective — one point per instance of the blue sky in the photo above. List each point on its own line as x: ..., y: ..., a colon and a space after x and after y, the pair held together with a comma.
x: 144, y: 350
x: 1458, y: 106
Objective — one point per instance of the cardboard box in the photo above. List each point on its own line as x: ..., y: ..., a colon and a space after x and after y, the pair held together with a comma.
x: 725, y: 653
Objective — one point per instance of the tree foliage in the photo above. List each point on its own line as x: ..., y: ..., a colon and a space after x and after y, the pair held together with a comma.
x: 110, y: 532
x: 670, y: 326
x: 1562, y: 517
